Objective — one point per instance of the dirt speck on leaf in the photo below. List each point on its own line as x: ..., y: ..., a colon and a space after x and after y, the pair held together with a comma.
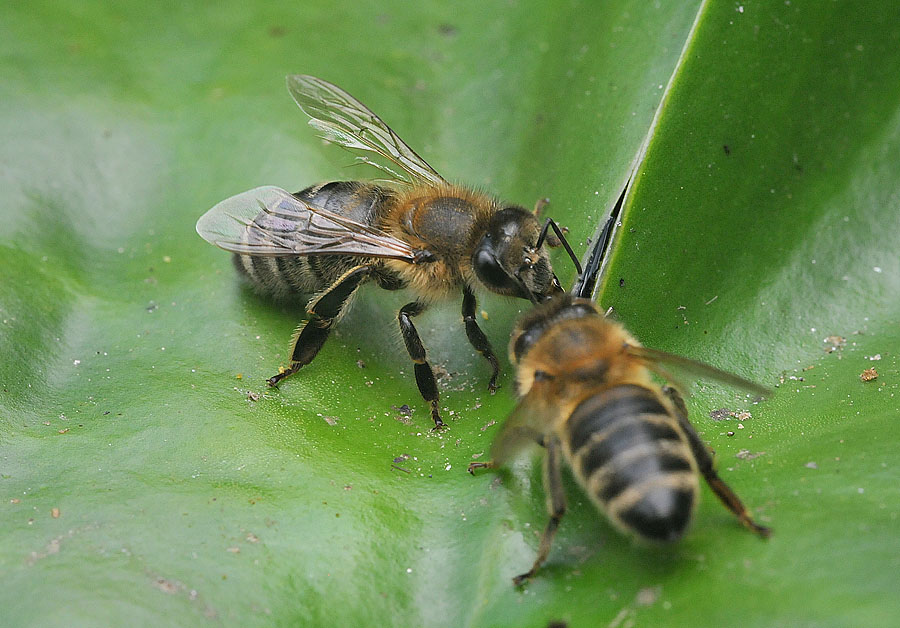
x: 746, y: 454
x: 868, y: 375
x: 834, y: 343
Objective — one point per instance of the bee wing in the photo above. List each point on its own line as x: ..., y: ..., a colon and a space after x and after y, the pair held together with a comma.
x: 271, y: 222
x: 654, y: 357
x: 523, y: 429
x: 344, y: 120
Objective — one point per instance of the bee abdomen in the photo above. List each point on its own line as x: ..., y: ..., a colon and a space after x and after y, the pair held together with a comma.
x: 287, y: 277
x: 633, y: 460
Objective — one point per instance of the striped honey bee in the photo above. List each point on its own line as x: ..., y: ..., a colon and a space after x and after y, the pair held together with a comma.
x: 587, y: 396
x: 412, y: 229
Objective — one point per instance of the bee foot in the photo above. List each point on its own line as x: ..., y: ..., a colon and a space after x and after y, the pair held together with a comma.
x: 521, y: 579
x: 275, y: 379
x: 479, y: 465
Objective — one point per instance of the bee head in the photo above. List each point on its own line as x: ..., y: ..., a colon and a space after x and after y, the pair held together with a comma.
x: 534, y: 323
x: 508, y: 260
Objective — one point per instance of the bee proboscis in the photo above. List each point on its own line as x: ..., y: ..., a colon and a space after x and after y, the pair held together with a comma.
x: 413, y: 229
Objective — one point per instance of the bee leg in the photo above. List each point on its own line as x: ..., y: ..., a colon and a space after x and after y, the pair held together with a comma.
x: 477, y: 338
x: 556, y: 506
x: 323, y: 310
x: 487, y: 464
x: 704, y: 458
x: 424, y: 375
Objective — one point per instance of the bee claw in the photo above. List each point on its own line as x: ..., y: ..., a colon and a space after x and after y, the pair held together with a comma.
x: 521, y: 579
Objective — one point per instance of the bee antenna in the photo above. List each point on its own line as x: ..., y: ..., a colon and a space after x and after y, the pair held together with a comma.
x: 562, y: 238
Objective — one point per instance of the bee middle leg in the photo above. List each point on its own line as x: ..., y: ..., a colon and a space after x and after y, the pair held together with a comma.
x: 323, y: 310
x: 556, y: 506
x: 424, y: 374
x: 704, y: 459
x: 477, y: 338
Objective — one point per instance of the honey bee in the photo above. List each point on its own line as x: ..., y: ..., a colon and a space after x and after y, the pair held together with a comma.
x: 587, y: 396
x: 413, y: 229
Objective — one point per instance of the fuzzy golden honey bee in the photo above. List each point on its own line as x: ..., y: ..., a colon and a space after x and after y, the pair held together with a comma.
x: 587, y: 397
x: 413, y: 229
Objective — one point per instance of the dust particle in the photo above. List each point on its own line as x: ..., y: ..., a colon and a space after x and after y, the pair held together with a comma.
x: 360, y: 364
x: 868, y: 375
x: 721, y: 414
x: 404, y: 416
x: 166, y: 586
x: 834, y: 343
x: 234, y: 550
x: 331, y: 420
x: 488, y: 424
x: 239, y: 376
x: 54, y: 512
x: 252, y: 396
x: 647, y: 596
x: 811, y: 465
x: 745, y: 454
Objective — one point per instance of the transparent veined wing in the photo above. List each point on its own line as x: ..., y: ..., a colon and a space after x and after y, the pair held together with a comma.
x: 345, y: 121
x: 271, y: 222
x: 524, y: 427
x: 654, y: 358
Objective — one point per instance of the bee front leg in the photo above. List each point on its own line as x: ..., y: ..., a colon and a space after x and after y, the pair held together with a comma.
x: 477, y: 338
x: 424, y: 375
x: 323, y: 310
x: 556, y: 506
x: 704, y: 459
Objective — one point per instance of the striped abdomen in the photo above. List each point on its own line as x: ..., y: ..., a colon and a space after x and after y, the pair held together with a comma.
x: 634, y: 461
x: 286, y: 277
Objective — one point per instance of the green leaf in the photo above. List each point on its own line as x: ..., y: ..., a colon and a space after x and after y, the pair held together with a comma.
x: 140, y: 484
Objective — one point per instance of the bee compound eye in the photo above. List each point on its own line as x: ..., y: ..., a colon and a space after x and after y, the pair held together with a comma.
x: 488, y: 269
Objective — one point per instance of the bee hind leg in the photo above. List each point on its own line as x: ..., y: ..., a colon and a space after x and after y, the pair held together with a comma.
x: 424, y: 374
x: 704, y: 459
x: 556, y: 506
x: 477, y: 338
x: 323, y: 310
